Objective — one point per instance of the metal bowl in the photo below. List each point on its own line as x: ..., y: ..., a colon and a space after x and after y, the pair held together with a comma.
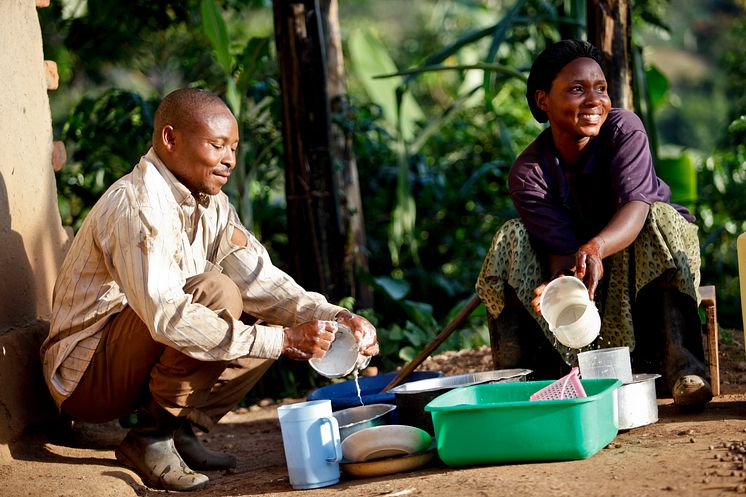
x: 358, y: 418
x: 411, y: 398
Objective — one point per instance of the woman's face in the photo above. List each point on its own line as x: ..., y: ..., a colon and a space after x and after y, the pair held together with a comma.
x: 577, y: 103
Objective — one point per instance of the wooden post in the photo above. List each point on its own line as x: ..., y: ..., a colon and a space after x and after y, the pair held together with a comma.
x: 609, y: 29
x: 408, y: 368
x: 314, y: 227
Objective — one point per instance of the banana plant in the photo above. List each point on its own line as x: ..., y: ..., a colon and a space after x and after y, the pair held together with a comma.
x: 678, y: 169
x: 402, y: 115
x: 388, y: 87
x: 252, y: 113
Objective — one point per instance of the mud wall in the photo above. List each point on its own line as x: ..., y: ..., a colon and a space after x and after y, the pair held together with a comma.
x: 32, y: 239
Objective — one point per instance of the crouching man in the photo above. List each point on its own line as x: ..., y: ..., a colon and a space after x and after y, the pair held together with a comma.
x: 148, y: 304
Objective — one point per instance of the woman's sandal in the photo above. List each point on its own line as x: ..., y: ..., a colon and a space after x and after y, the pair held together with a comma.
x: 691, y: 390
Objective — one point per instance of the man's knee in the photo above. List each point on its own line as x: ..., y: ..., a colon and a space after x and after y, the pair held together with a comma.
x: 215, y: 291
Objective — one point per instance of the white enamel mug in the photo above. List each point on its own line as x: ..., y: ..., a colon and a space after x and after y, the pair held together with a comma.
x: 342, y: 358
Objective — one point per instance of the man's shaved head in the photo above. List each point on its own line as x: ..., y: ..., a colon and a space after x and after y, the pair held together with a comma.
x: 182, y: 108
x: 195, y: 135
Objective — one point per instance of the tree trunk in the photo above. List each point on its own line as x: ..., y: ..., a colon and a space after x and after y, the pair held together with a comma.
x: 351, y: 205
x: 314, y: 228
x: 609, y: 28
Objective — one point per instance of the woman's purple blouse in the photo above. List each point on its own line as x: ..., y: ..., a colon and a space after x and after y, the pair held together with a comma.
x: 561, y: 215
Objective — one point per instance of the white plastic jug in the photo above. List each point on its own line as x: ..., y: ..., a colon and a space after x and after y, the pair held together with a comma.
x: 310, y: 436
x: 571, y: 315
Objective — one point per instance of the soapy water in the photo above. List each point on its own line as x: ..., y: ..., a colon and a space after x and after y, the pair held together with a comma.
x: 356, y: 374
x: 362, y: 363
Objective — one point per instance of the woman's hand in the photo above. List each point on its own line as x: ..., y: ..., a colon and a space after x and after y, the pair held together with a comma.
x: 589, y: 266
x: 560, y: 265
x: 619, y: 234
x: 536, y: 302
x: 621, y: 231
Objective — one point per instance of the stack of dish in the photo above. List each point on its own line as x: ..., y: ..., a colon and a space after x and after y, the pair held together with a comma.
x: 386, y: 449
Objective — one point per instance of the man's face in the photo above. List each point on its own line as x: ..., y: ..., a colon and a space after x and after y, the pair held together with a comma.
x: 577, y: 104
x: 203, y: 153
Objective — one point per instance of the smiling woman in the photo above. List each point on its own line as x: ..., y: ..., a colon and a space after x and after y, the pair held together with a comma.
x: 591, y: 205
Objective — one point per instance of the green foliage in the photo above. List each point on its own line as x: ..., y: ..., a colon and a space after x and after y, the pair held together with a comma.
x: 105, y: 137
x: 214, y: 27
x: 370, y: 59
x: 433, y: 141
x: 400, y: 343
x: 96, y: 35
x: 704, y: 154
x: 657, y: 87
x: 390, y: 91
x: 734, y: 64
x: 459, y: 182
x: 252, y: 93
x: 680, y: 173
x: 651, y: 12
x: 721, y: 212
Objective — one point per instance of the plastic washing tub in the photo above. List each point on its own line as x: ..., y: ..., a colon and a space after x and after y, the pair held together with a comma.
x: 497, y: 422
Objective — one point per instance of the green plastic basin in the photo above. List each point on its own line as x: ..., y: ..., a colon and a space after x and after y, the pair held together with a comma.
x: 497, y: 423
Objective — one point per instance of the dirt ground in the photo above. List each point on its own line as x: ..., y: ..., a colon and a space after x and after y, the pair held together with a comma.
x: 683, y: 454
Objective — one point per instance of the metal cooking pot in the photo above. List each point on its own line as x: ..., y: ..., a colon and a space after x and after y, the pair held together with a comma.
x: 411, y: 398
x: 637, y: 402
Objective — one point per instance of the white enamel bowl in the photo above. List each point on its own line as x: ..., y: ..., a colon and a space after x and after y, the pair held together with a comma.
x: 384, y: 441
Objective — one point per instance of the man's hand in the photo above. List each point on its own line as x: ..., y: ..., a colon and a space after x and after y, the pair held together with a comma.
x: 308, y: 340
x: 362, y: 329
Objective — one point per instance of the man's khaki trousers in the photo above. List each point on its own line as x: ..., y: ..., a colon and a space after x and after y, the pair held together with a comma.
x: 128, y: 366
